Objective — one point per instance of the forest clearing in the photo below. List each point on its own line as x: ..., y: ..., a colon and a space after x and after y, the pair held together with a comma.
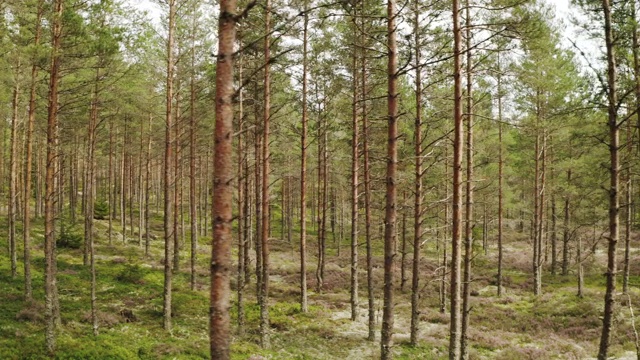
x: 308, y: 179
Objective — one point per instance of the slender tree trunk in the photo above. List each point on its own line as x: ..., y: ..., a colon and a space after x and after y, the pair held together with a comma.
x: 303, y: 165
x: 88, y: 193
x: 455, y: 324
x: 417, y: 200
x: 13, y: 173
x: 123, y: 184
x: 543, y: 224
x: 265, y: 339
x: 110, y: 185
x: 628, y: 210
x: 321, y: 202
x: 177, y: 179
x: 469, y: 218
x: 354, y: 184
x: 390, y: 235
x: 50, y: 286
x: 554, y: 236
x: 580, y: 268
x: 258, y: 201
x: 445, y: 233
x: 565, y: 230
x: 614, y: 206
x: 169, y: 181
x: 371, y: 311
x: 147, y: 191
x: 28, y: 287
x: 193, y: 205
x: 403, y: 243
x: 242, y: 198
x: 140, y: 185
x: 322, y: 230
x: 538, y: 200
x: 248, y: 234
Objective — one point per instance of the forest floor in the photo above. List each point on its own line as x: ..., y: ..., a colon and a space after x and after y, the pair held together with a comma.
x: 554, y: 325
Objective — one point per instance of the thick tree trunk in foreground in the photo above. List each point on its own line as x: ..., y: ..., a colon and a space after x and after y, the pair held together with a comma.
x: 390, y: 235
x: 455, y: 324
x: 614, y: 206
x: 219, y: 329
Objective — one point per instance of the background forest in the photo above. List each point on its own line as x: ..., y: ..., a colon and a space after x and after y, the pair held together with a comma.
x: 421, y: 179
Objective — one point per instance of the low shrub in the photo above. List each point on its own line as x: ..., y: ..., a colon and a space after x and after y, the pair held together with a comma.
x: 132, y: 274
x: 101, y: 210
x: 69, y: 238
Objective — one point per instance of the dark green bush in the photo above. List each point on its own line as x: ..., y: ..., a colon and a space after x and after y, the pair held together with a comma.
x: 101, y: 210
x: 69, y: 238
x: 132, y: 274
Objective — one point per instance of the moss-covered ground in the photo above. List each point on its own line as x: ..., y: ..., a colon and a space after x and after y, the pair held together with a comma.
x: 556, y: 325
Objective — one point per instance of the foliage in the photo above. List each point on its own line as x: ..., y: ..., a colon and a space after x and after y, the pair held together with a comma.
x: 132, y: 274
x: 101, y: 210
x: 70, y: 237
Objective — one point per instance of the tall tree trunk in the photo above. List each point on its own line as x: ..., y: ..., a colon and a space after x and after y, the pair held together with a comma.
x: 390, y: 235
x: 455, y: 324
x: 303, y: 164
x: 111, y: 180
x: 169, y: 181
x: 123, y: 184
x: 628, y: 218
x: 323, y: 180
x: 469, y: 218
x: 177, y: 178
x: 13, y: 172
x: 565, y: 229
x: 500, y: 181
x: 248, y: 233
x: 371, y: 311
x: 147, y: 191
x: 354, y: 183
x: 28, y: 287
x: 242, y: 198
x: 403, y: 243
x: 554, y: 235
x: 538, y: 197
x: 265, y: 340
x: 88, y: 193
x: 51, y: 189
x: 258, y: 198
x: 140, y: 185
x: 417, y: 200
x: 614, y: 206
x: 222, y: 215
x: 445, y: 234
